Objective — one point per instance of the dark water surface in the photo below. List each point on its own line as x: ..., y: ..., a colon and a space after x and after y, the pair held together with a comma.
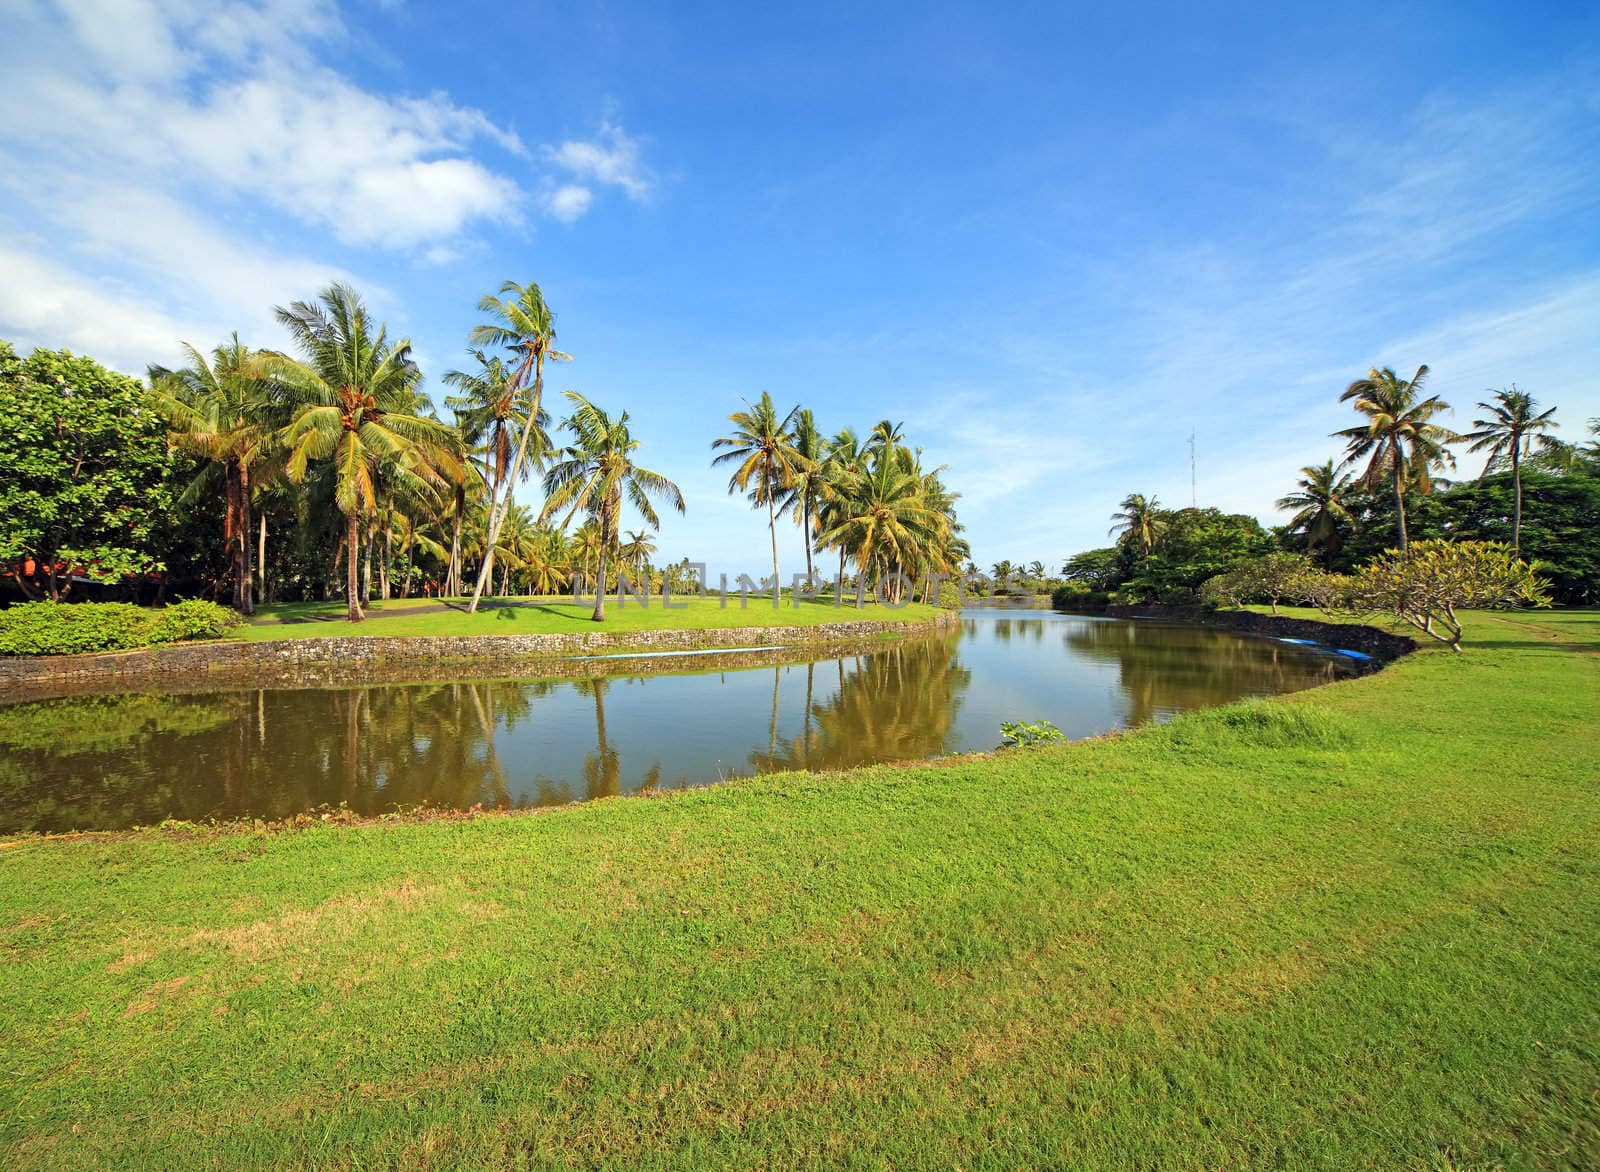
x: 107, y: 762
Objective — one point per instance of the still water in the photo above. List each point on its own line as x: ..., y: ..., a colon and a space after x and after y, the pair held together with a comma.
x: 107, y: 762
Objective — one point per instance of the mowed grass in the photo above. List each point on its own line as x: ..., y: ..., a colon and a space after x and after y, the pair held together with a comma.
x: 1358, y: 927
x: 420, y: 616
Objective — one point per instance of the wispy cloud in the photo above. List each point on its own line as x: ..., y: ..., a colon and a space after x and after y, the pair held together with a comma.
x: 610, y: 159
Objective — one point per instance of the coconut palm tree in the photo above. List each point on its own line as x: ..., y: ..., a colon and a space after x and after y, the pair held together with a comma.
x: 1399, y: 439
x: 1138, y: 518
x: 637, y: 549
x: 884, y: 520
x: 356, y: 406
x: 222, y: 411
x: 597, y: 471
x: 806, y: 493
x: 767, y: 464
x: 1319, y: 504
x: 846, y: 463
x: 525, y: 327
x: 1507, y: 434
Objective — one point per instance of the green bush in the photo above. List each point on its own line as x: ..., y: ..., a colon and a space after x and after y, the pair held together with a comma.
x: 74, y: 628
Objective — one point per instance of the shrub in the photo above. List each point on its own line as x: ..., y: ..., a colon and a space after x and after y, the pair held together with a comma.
x: 194, y: 618
x: 1272, y: 578
x: 60, y: 628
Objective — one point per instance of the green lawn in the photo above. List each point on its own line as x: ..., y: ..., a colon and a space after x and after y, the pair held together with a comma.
x: 1357, y: 927
x: 420, y: 616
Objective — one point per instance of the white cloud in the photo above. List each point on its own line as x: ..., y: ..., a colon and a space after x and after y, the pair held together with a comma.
x: 568, y: 202
x: 374, y: 169
x: 611, y: 158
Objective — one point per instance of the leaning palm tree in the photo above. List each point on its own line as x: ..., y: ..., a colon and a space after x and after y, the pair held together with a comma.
x: 597, y: 470
x: 222, y: 411
x: 1399, y: 439
x: 1319, y: 504
x: 524, y: 326
x: 767, y: 463
x: 1507, y: 434
x: 356, y: 406
x: 1138, y: 518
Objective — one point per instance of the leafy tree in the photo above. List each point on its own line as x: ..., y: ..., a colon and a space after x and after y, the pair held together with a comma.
x: 1320, y: 501
x: 1137, y: 521
x: 1399, y: 439
x: 767, y: 465
x: 598, y: 469
x: 525, y: 327
x: 1195, y: 544
x: 1098, y: 569
x: 1273, y: 577
x: 1429, y: 586
x: 1507, y: 435
x: 357, y: 406
x: 85, y: 473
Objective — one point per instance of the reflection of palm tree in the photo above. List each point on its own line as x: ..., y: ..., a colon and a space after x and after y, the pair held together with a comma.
x: 602, y: 770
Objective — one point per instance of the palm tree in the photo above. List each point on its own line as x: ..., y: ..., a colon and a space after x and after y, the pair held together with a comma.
x: 525, y: 327
x: 1138, y: 519
x: 637, y: 549
x: 884, y: 520
x: 806, y: 493
x: 1508, y: 433
x: 357, y: 406
x: 768, y: 463
x: 846, y: 464
x: 1399, y: 439
x: 597, y: 471
x: 221, y: 411
x: 1319, y: 504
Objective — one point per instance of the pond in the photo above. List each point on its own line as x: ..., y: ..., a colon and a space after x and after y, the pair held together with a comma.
x: 113, y: 761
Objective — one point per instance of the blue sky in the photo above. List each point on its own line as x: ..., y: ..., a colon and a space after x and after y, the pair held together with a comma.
x: 1052, y: 239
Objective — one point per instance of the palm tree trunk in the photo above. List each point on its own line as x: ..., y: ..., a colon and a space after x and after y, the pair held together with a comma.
x: 230, y: 530
x: 599, y: 615
x: 772, y: 525
x: 1400, y: 502
x: 1516, y: 489
x: 452, y: 577
x: 805, y: 528
x: 366, y: 567
x: 352, y: 571
x: 388, y: 552
x: 245, y: 572
x: 261, y: 558
x: 499, y: 507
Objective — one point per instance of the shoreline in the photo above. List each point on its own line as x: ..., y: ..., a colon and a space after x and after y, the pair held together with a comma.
x: 356, y: 659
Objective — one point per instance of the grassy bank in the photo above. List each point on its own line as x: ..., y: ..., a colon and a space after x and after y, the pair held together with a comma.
x: 417, y: 616
x: 1355, y: 927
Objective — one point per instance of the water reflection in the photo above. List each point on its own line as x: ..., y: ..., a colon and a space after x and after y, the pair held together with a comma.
x: 104, y: 762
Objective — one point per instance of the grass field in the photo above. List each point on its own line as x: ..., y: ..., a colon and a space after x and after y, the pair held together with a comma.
x: 1357, y: 927
x: 418, y: 616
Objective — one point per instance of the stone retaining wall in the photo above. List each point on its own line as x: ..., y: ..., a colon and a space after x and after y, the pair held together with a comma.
x: 351, y: 659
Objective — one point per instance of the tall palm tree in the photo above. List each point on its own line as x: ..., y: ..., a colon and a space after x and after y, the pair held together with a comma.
x: 846, y: 464
x: 1319, y: 504
x: 357, y: 405
x: 1507, y: 434
x: 810, y: 478
x: 525, y: 327
x: 767, y: 463
x: 597, y: 470
x: 1138, y: 518
x: 1399, y: 439
x: 221, y: 410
